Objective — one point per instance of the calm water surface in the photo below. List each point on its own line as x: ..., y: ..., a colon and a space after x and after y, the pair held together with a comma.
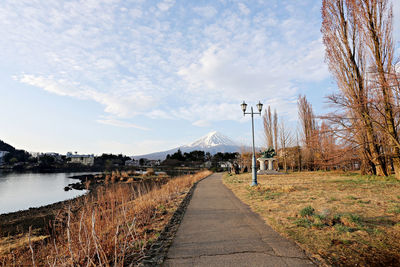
x: 21, y: 191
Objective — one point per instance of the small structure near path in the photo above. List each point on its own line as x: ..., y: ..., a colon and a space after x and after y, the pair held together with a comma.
x: 267, y: 155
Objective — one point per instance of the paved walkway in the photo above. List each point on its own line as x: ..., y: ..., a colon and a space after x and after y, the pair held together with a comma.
x: 219, y: 230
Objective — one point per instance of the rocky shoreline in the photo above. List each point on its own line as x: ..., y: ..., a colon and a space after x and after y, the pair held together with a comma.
x: 17, y: 222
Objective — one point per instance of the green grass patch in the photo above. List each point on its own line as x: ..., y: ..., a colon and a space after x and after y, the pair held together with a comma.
x: 303, y: 222
x: 320, y: 216
x: 395, y: 209
x: 366, y: 179
x: 307, y: 211
x: 272, y: 195
x: 364, y: 201
x: 309, y: 219
x: 332, y: 199
x: 343, y: 228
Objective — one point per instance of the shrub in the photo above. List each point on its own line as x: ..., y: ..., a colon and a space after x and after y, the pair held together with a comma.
x: 303, y: 222
x: 307, y: 211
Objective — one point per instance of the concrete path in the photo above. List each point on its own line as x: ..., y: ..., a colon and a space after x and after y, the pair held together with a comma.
x: 219, y: 230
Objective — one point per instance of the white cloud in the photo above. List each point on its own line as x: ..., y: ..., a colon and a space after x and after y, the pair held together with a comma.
x: 201, y: 123
x: 178, y: 66
x: 120, y: 101
x: 119, y: 123
x: 206, y: 11
x: 243, y: 8
x: 165, y: 5
x: 135, y: 13
x: 59, y: 87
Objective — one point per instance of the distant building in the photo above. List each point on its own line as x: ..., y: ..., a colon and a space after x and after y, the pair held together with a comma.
x: 54, y: 155
x: 87, y: 160
x: 132, y: 162
x: 225, y: 164
x: 2, y: 154
x: 206, y: 164
x: 153, y: 163
x: 148, y: 163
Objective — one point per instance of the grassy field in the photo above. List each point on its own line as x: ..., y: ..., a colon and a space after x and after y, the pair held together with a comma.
x: 342, y: 219
x: 114, y: 226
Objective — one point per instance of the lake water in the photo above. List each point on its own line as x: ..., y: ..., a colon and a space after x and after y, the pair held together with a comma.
x: 21, y: 191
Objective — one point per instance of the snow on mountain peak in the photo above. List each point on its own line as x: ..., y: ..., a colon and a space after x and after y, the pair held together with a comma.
x: 212, y: 139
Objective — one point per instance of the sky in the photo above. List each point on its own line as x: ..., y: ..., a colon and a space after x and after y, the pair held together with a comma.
x: 136, y: 76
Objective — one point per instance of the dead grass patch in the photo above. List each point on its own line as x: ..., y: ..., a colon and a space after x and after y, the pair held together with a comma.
x: 345, y: 219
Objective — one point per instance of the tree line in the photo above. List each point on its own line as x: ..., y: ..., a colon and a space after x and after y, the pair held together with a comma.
x: 358, y: 36
x: 197, y: 157
x: 362, y: 131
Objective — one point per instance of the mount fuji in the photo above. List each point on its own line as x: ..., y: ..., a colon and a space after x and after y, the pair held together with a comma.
x: 213, y: 142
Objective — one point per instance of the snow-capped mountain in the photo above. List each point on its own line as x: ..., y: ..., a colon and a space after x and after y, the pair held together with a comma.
x: 213, y: 142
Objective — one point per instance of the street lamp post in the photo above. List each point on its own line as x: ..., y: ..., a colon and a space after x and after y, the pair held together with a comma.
x: 253, y: 161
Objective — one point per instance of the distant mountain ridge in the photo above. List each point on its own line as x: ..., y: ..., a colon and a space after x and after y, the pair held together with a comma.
x: 6, y: 147
x: 213, y: 142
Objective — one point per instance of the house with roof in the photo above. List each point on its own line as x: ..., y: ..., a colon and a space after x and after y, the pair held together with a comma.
x: 87, y: 160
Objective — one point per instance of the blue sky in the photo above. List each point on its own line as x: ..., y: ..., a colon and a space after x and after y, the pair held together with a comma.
x: 139, y: 76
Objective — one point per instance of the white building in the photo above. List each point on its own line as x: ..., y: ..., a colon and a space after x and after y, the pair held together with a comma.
x: 132, y: 162
x: 87, y: 160
x: 225, y: 164
x: 153, y: 163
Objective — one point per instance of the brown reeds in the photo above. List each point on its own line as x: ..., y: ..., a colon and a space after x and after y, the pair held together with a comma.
x: 114, y: 226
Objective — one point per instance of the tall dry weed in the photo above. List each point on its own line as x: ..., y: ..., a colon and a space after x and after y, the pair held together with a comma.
x: 110, y: 227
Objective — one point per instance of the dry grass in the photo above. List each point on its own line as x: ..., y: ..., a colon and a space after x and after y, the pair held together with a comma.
x: 112, y: 227
x: 345, y: 219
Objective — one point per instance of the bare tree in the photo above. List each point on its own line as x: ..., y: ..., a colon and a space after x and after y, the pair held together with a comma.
x: 298, y: 151
x: 308, y: 127
x: 286, y: 140
x: 267, y: 119
x: 276, y: 130
x: 345, y: 55
x: 375, y: 20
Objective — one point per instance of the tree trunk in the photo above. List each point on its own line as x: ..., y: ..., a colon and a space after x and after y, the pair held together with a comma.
x: 376, y: 158
x: 379, y: 38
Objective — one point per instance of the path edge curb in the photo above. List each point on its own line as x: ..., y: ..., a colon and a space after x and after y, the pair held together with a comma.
x: 158, y: 251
